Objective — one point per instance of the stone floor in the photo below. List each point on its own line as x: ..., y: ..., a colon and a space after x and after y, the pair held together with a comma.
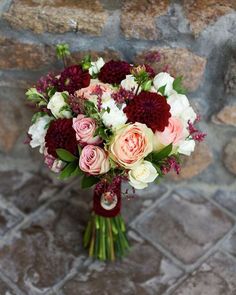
x: 183, y: 240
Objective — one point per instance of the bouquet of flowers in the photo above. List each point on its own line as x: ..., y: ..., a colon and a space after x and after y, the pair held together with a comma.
x: 108, y: 123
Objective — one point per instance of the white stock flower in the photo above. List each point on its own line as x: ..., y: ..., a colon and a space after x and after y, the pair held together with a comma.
x: 58, y: 106
x: 141, y: 175
x: 164, y: 79
x: 129, y: 83
x: 186, y: 147
x: 37, y: 131
x: 115, y: 117
x: 96, y: 66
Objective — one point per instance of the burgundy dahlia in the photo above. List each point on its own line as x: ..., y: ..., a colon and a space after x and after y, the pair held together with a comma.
x: 73, y: 78
x: 60, y: 134
x: 113, y: 72
x: 150, y: 109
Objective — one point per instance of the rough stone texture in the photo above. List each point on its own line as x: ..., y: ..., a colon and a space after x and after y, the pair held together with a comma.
x: 230, y: 76
x: 215, y: 277
x: 230, y: 244
x: 226, y: 199
x: 28, y: 191
x: 5, y: 289
x: 176, y: 61
x: 229, y: 156
x: 57, y: 16
x: 136, y: 203
x: 202, y: 13
x: 44, y: 251
x: 186, y: 224
x: 10, y: 130
x: 226, y: 116
x: 191, y: 166
x: 138, y: 18
x: 8, y: 219
x: 144, y: 271
x: 24, y: 55
x: 105, y: 54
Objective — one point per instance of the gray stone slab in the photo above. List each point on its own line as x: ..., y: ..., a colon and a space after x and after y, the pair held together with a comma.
x: 186, y: 224
x: 144, y: 271
x: 215, y: 277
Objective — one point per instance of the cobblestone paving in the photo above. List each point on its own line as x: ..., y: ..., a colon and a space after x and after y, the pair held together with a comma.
x: 183, y: 240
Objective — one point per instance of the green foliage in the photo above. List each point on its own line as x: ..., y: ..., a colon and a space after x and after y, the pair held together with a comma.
x: 69, y: 170
x: 34, y: 96
x: 162, y: 90
x: 88, y: 181
x: 86, y: 62
x: 178, y: 85
x: 36, y: 116
x: 66, y: 156
x: 146, y: 86
x: 62, y: 50
x: 157, y: 157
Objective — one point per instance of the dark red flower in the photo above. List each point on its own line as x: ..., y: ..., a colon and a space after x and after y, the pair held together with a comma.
x: 150, y: 71
x: 149, y: 108
x: 113, y: 72
x: 61, y: 134
x: 73, y: 78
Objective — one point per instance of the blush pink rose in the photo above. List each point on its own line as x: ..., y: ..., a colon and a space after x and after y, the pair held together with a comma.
x: 131, y: 144
x: 94, y: 160
x: 85, y: 129
x: 87, y: 92
x: 173, y: 133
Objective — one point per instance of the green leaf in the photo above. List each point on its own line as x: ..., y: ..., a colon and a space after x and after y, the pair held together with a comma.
x: 77, y: 171
x: 62, y: 50
x: 162, y: 89
x: 68, y: 170
x: 65, y: 96
x: 158, y: 156
x: 86, y: 62
x: 36, y: 116
x: 178, y: 85
x: 33, y: 95
x: 146, y: 86
x: 88, y: 181
x: 66, y: 156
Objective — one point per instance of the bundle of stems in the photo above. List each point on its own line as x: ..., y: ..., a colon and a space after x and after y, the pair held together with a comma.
x: 105, y: 237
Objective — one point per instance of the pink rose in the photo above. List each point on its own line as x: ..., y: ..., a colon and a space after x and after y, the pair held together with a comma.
x: 88, y: 92
x: 131, y: 144
x: 85, y: 129
x: 173, y: 133
x: 94, y: 160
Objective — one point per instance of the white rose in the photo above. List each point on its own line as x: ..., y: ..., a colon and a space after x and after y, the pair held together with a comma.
x: 37, y: 131
x: 115, y: 117
x: 186, y: 147
x: 58, y: 106
x: 141, y: 175
x: 164, y: 79
x: 96, y: 66
x: 130, y: 84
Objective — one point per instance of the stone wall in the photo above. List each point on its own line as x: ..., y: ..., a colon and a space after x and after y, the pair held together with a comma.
x: 196, y: 39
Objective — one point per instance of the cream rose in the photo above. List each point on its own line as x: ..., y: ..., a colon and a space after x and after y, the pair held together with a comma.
x: 186, y: 147
x: 94, y: 160
x: 58, y: 106
x: 85, y: 129
x: 140, y: 176
x: 131, y: 144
